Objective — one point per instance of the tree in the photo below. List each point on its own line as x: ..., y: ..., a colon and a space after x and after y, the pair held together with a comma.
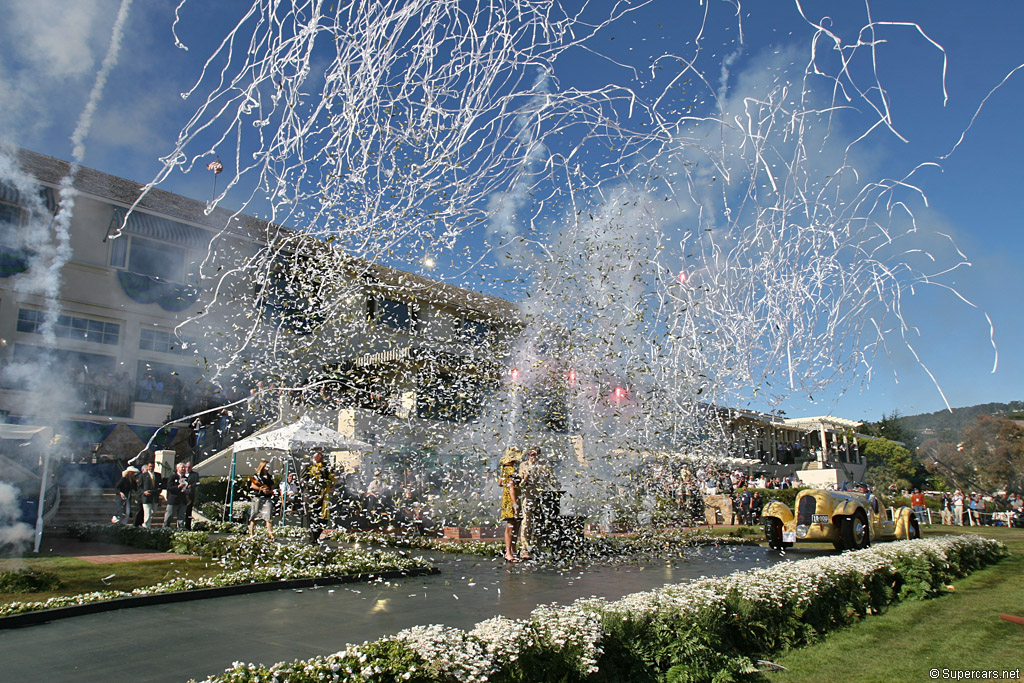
x: 889, y: 464
x: 994, y: 448
x: 893, y: 427
x: 938, y: 457
x: 989, y: 456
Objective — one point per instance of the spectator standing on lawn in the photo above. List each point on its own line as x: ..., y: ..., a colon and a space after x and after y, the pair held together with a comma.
x: 261, y: 485
x: 149, y: 492
x: 958, y: 508
x: 917, y: 502
x: 756, y: 506
x: 290, y: 501
x: 125, y: 487
x: 192, y: 479
x: 177, y: 497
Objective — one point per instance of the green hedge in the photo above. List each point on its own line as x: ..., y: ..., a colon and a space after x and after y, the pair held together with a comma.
x: 787, y: 496
x: 123, y: 534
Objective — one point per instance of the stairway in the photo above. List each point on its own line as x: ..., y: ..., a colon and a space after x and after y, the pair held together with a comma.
x: 91, y: 506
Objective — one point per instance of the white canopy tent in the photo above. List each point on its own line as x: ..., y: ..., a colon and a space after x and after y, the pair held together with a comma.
x: 302, y: 435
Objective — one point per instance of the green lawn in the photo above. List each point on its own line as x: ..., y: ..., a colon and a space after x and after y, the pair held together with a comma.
x: 79, y: 576
x: 960, y: 630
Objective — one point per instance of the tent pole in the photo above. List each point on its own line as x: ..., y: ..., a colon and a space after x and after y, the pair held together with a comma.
x: 231, y: 489
x: 284, y: 490
x: 42, y: 499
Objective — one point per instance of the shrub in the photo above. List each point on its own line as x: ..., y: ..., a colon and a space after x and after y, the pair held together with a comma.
x: 123, y: 534
x: 28, y: 581
x: 787, y: 496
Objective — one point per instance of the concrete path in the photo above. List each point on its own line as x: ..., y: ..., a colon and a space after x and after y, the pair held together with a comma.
x: 195, y: 639
x: 104, y: 553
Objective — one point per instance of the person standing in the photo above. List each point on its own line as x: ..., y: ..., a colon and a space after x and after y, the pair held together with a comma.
x: 149, y: 492
x: 508, y: 479
x: 317, y: 485
x: 744, y: 507
x: 177, y: 497
x: 290, y: 498
x: 125, y: 487
x: 918, y: 504
x: 756, y: 507
x: 958, y: 508
x: 535, y: 477
x: 192, y: 481
x: 261, y: 486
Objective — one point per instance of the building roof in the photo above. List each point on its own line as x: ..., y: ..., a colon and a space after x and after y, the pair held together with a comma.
x: 828, y: 420
x: 51, y: 171
x: 89, y: 181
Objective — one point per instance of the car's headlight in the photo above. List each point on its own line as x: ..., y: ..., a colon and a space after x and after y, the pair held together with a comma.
x: 801, y: 531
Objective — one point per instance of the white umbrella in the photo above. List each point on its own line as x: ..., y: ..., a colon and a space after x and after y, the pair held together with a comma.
x: 304, y: 433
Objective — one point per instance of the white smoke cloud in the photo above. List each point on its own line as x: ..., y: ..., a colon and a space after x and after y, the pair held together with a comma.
x: 57, y: 38
x: 49, y: 52
x: 14, y: 534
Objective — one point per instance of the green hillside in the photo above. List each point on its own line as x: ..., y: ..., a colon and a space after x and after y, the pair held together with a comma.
x: 944, y: 423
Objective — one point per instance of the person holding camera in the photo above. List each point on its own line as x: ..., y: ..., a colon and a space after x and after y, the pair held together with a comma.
x: 261, y: 486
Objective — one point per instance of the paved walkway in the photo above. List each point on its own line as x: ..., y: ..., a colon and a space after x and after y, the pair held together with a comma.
x: 180, y: 641
x: 104, y: 553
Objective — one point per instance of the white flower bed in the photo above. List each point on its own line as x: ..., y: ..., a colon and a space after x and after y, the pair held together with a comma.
x: 575, y: 636
x: 351, y: 562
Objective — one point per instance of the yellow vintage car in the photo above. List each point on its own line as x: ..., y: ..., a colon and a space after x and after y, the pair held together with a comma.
x: 849, y: 520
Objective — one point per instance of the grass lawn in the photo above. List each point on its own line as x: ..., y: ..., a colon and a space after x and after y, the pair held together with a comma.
x: 80, y: 576
x: 959, y: 630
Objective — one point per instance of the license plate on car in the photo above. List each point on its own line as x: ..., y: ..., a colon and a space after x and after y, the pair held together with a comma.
x: 789, y: 537
x: 819, y: 519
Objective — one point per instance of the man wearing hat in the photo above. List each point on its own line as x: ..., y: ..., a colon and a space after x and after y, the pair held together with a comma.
x: 125, y: 487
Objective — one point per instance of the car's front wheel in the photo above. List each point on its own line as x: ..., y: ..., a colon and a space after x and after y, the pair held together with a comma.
x: 855, y: 532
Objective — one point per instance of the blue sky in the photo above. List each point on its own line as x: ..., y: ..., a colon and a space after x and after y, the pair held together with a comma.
x: 51, y: 50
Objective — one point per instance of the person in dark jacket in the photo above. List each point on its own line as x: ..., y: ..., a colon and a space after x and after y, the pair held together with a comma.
x: 149, y: 494
x: 756, y: 507
x: 177, y: 497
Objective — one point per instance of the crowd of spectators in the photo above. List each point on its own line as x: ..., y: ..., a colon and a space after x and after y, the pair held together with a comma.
x: 976, y: 509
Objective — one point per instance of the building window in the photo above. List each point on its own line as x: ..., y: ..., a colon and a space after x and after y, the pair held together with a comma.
x: 30, y: 321
x: 150, y: 257
x: 119, y: 252
x: 473, y: 331
x: 70, y: 327
x: 156, y: 259
x: 394, y: 314
x: 10, y: 224
x: 160, y: 341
